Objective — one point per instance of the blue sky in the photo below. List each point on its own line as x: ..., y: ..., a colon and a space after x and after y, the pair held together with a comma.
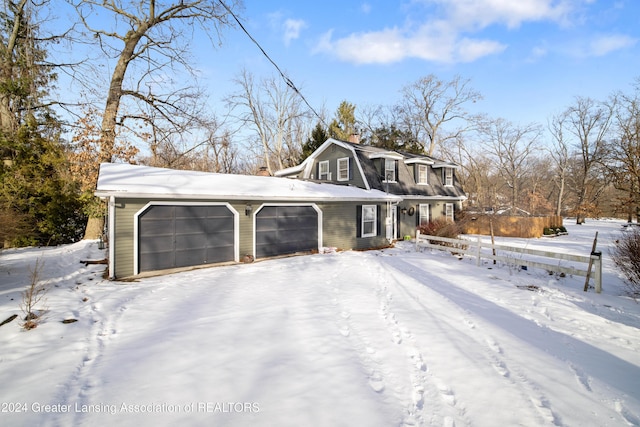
x: 528, y: 58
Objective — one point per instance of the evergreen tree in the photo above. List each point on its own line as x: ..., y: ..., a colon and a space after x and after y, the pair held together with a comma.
x: 344, y: 123
x: 394, y: 139
x: 318, y: 136
x: 39, y: 203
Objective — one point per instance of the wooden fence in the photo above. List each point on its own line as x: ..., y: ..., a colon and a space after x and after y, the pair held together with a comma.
x: 505, y: 253
x: 511, y: 226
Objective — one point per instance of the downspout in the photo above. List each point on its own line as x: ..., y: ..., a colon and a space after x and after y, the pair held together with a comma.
x: 112, y: 236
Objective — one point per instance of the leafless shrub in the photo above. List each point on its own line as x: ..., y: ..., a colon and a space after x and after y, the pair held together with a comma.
x: 33, y: 296
x: 626, y: 256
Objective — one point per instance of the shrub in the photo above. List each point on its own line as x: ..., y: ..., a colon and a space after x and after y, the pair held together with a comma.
x: 441, y: 228
x: 34, y: 295
x: 626, y: 256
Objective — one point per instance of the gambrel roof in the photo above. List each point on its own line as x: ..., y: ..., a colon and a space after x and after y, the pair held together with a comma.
x: 366, y: 160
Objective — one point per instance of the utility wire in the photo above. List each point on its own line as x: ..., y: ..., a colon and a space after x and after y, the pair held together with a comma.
x: 286, y: 79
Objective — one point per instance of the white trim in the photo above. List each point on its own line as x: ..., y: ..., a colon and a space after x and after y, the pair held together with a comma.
x: 112, y: 236
x: 375, y: 221
x: 386, y: 155
x: 445, y: 165
x: 136, y: 231
x: 376, y: 195
x: 327, y: 174
x: 428, y: 207
x: 419, y: 161
x: 313, y: 205
x: 420, y: 165
x: 453, y: 211
x: 338, y: 168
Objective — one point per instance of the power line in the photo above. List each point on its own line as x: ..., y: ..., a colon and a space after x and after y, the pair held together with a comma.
x: 286, y: 79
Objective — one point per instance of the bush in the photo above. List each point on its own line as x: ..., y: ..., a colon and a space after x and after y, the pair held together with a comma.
x: 626, y: 256
x: 441, y: 228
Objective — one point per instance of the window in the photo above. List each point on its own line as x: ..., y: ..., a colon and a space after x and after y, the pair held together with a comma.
x: 323, y: 170
x: 448, y: 211
x: 369, y: 219
x: 423, y: 212
x: 423, y: 173
x: 389, y: 170
x: 343, y: 169
x: 448, y: 176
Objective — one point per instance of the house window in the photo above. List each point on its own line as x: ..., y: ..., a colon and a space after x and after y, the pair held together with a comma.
x: 369, y: 219
x: 423, y: 173
x: 343, y: 169
x: 423, y: 212
x: 323, y: 171
x: 448, y: 211
x: 389, y: 170
x: 448, y: 176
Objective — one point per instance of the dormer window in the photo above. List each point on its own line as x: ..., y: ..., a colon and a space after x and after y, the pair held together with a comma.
x: 447, y: 176
x: 390, y: 167
x: 422, y: 174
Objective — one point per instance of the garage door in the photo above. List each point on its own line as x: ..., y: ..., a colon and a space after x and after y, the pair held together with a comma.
x: 182, y: 236
x: 282, y: 230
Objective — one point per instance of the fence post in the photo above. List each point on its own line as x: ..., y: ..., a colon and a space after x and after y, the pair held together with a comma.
x: 596, y: 256
x: 478, y: 242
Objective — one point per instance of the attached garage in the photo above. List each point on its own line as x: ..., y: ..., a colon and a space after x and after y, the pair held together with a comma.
x: 162, y: 219
x: 173, y: 236
x: 287, y: 229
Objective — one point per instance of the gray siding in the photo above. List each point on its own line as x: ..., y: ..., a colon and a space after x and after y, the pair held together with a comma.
x: 339, y: 228
x: 332, y: 154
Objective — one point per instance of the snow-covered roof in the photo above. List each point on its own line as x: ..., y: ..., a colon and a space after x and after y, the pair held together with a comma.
x: 117, y: 179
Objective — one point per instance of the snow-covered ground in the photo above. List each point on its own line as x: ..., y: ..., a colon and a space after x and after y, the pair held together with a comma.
x: 381, y: 338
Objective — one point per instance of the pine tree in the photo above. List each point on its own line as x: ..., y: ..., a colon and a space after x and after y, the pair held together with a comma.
x: 39, y: 202
x: 318, y: 136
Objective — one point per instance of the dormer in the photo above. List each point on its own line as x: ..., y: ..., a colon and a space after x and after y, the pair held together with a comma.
x: 447, y: 174
x: 421, y: 168
x: 387, y: 165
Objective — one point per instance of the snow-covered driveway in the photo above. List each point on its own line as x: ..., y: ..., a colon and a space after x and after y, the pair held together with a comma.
x: 380, y: 338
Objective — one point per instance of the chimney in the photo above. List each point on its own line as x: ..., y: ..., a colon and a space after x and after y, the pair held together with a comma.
x: 263, y: 171
x: 354, y: 138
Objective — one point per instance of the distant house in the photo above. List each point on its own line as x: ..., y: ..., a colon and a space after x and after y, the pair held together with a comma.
x: 428, y: 187
x: 163, y: 219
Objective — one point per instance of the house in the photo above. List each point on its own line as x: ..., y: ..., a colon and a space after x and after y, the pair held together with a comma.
x: 163, y: 219
x: 428, y: 187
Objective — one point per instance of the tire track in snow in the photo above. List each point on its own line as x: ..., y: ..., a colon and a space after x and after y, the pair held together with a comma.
x: 507, y: 370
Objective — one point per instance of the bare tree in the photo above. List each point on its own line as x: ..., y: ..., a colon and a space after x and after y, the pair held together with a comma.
x: 512, y: 147
x: 624, y: 161
x: 559, y: 152
x: 429, y: 105
x: 274, y: 111
x: 147, y: 37
x: 589, y: 122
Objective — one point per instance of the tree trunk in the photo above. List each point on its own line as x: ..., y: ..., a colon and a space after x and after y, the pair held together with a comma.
x: 95, y: 227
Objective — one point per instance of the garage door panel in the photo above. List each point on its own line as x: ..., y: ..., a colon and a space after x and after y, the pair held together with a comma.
x: 180, y: 236
x: 218, y: 225
x: 284, y: 230
x: 221, y: 239
x: 220, y: 254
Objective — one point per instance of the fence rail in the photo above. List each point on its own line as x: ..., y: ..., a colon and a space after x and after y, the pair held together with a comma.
x: 475, y: 248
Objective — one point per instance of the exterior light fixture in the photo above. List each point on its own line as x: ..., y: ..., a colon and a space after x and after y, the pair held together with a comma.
x: 248, y: 209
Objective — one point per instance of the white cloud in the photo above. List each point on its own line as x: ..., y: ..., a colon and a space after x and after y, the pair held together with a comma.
x: 365, y: 8
x: 433, y: 42
x: 512, y: 13
x: 292, y: 29
x: 605, y: 44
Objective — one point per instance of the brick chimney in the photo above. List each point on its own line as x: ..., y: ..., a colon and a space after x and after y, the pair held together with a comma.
x: 263, y: 171
x: 354, y: 138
